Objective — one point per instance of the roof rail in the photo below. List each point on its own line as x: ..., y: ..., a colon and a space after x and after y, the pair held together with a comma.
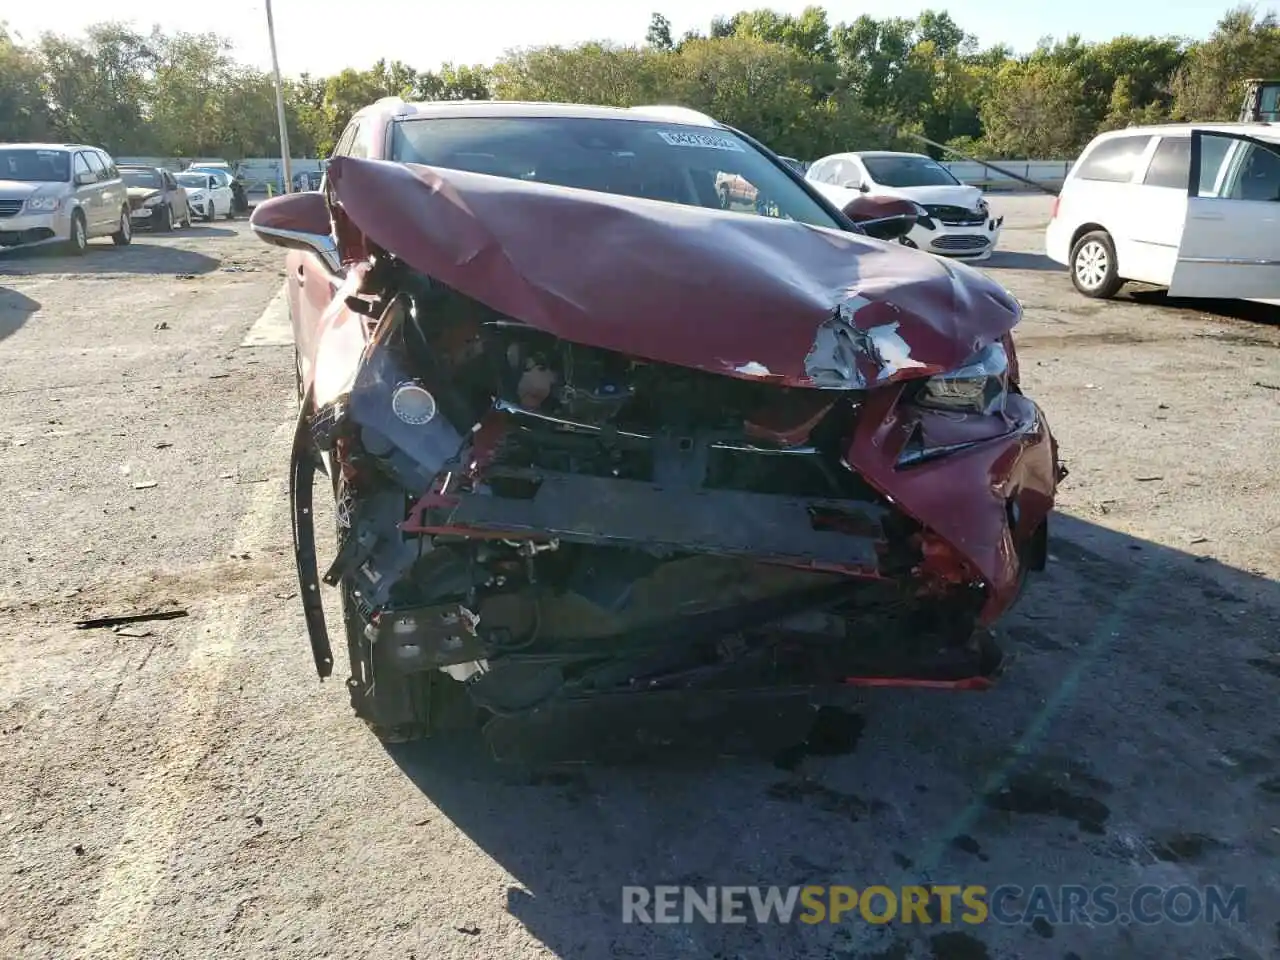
x: 671, y: 112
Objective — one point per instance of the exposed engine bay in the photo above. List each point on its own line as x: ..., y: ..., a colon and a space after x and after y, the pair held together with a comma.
x: 595, y: 525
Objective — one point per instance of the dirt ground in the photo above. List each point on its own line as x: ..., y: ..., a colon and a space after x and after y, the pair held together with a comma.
x: 189, y: 790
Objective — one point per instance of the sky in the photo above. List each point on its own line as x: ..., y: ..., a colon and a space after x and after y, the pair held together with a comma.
x: 324, y: 36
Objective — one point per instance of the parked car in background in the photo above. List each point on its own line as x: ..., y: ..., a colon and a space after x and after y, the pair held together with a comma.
x: 208, y: 193
x: 1191, y: 207
x: 61, y: 193
x: 953, y: 219
x: 308, y: 180
x: 229, y: 177
x: 649, y: 452
x: 156, y: 199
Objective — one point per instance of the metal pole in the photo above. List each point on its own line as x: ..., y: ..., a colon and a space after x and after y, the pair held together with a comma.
x: 284, y: 128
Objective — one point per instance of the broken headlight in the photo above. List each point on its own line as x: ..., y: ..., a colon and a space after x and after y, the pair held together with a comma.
x: 979, y: 386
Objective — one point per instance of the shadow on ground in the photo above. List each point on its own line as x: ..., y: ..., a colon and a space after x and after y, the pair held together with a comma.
x: 15, y: 309
x: 199, y: 229
x: 144, y: 256
x: 1262, y: 313
x: 1126, y: 746
x: 1016, y: 260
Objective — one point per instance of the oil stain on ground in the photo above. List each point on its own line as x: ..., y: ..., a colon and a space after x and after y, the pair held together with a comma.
x: 968, y: 845
x: 825, y: 799
x: 1037, y: 794
x: 834, y: 733
x: 1183, y: 847
x: 958, y: 946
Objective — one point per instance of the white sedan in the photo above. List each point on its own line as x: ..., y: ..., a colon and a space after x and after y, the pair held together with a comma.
x: 207, y: 194
x: 952, y: 217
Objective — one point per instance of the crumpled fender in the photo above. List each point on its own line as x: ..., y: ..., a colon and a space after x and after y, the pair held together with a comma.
x: 965, y: 497
x: 746, y: 296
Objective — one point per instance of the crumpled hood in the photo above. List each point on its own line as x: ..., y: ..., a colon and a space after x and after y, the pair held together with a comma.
x: 729, y: 293
x: 956, y: 195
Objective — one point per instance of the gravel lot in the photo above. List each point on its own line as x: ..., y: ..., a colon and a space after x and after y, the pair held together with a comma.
x: 189, y: 790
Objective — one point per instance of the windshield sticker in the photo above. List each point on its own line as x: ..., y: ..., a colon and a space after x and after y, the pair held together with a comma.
x: 708, y: 141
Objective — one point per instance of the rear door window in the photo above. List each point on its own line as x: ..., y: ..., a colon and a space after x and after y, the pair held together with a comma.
x: 1171, y: 164
x: 1114, y: 160
x: 96, y: 165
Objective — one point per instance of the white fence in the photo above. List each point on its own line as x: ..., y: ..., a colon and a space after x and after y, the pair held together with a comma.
x: 1049, y: 173
x: 261, y: 172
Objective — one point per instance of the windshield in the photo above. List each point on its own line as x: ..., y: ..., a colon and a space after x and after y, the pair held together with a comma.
x: 35, y: 166
x: 654, y: 161
x: 142, y: 178
x: 908, y: 171
x: 197, y: 180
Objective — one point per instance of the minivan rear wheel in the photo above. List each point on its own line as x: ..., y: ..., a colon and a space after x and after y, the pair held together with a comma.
x: 1093, y: 265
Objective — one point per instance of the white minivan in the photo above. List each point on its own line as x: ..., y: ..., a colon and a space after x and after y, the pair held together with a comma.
x: 1191, y: 207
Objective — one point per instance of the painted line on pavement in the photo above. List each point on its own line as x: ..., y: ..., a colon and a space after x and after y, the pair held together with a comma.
x: 272, y: 329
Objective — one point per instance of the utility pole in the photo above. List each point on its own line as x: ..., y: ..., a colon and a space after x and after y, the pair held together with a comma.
x: 284, y: 127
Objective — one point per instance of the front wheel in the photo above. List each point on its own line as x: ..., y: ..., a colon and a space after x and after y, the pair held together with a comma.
x: 210, y: 212
x: 79, y: 240
x: 124, y: 235
x: 1094, y: 270
x: 163, y: 219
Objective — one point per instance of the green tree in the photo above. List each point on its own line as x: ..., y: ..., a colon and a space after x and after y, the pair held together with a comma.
x: 659, y: 33
x: 24, y: 113
x: 1208, y: 85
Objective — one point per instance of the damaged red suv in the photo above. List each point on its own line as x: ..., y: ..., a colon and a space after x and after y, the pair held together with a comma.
x: 595, y: 439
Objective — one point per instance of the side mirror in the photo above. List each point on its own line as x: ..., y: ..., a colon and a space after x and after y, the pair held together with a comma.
x: 85, y: 178
x: 297, y: 221
x: 885, y: 218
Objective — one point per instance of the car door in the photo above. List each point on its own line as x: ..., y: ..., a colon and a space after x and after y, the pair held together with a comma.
x: 226, y: 196
x: 88, y: 193
x: 1155, y: 210
x: 115, y: 195
x: 174, y: 196
x: 108, y: 213
x: 1231, y: 235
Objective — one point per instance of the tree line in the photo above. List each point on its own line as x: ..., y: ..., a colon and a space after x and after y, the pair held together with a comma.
x: 797, y: 82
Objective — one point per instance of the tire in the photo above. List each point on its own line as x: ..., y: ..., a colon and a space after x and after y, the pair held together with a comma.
x: 1094, y: 270
x: 210, y: 212
x: 186, y: 219
x: 231, y: 211
x: 124, y: 236
x: 79, y: 240
x: 163, y: 219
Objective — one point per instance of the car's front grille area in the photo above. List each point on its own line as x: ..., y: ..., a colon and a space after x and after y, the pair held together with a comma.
x: 961, y: 242
x: 955, y: 216
x: 10, y: 208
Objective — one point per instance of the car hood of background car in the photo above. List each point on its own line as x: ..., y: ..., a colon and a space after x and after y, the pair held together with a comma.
x: 737, y: 294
